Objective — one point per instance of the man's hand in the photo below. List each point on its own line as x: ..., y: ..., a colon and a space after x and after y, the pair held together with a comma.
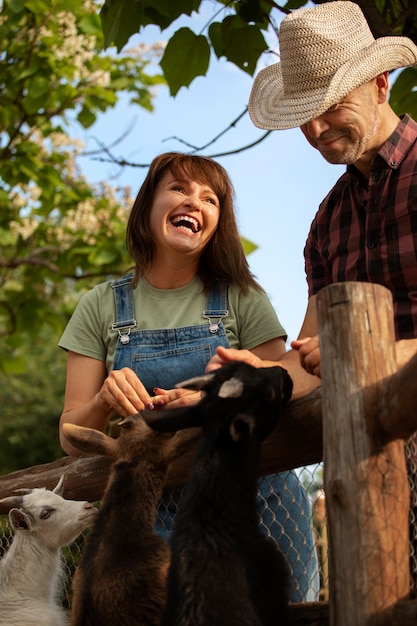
x: 309, y: 352
x: 225, y: 355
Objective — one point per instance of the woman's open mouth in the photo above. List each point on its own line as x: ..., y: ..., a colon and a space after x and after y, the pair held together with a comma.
x: 186, y: 222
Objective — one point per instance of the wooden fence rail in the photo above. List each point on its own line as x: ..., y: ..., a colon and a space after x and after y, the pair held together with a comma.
x: 356, y: 422
x: 297, y: 441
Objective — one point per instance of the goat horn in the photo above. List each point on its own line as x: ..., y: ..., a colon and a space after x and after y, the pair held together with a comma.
x: 59, y: 489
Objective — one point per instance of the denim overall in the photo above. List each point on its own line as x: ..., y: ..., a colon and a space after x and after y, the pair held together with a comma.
x: 167, y: 356
x: 164, y: 357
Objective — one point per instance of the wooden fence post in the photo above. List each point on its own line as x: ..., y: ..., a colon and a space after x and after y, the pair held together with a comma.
x: 367, y: 493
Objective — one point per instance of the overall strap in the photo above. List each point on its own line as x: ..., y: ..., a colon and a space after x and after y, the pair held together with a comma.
x: 124, y: 305
x: 216, y: 305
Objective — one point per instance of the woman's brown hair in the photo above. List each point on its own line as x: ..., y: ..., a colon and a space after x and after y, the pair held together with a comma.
x: 223, y: 258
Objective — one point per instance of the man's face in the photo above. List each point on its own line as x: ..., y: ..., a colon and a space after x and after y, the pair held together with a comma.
x: 348, y: 132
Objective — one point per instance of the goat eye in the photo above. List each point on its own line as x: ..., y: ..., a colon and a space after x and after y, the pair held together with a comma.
x: 45, y: 513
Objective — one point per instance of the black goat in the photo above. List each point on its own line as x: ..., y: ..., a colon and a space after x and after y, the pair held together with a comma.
x: 121, y: 578
x: 224, y: 571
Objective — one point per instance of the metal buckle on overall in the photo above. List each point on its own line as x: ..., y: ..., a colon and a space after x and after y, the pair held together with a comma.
x: 218, y: 316
x: 123, y: 332
x: 214, y: 326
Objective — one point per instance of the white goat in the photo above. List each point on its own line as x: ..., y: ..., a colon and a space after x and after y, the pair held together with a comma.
x: 31, y: 571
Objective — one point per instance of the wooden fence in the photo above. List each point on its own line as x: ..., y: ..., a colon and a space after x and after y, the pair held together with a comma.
x: 356, y: 422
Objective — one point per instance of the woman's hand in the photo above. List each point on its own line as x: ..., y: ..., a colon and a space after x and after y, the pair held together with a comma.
x: 309, y: 351
x: 175, y: 398
x: 123, y: 392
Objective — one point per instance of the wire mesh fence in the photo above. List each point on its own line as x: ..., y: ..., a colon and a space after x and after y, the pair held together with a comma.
x: 311, y: 478
x: 411, y: 461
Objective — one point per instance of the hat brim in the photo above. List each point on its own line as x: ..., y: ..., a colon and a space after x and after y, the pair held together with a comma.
x: 271, y: 109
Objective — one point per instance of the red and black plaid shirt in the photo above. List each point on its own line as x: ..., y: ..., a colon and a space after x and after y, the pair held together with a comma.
x: 368, y: 232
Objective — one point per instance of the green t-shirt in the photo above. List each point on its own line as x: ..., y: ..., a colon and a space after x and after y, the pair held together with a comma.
x: 252, y: 320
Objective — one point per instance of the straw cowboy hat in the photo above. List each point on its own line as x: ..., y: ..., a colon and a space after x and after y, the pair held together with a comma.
x: 325, y: 52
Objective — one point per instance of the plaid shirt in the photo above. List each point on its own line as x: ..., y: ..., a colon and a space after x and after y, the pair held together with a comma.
x: 367, y: 230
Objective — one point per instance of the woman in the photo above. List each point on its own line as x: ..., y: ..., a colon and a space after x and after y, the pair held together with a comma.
x: 191, y: 291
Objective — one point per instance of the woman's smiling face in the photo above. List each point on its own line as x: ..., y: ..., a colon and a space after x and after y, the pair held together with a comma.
x: 184, y: 214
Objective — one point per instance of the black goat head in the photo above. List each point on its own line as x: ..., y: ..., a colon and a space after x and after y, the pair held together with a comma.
x: 236, y: 391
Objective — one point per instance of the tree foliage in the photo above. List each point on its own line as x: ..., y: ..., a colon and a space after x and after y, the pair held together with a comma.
x: 56, y: 229
x: 237, y: 32
x: 31, y: 404
x: 59, y: 234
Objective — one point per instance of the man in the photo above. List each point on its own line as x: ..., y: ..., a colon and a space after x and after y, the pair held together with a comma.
x: 332, y: 82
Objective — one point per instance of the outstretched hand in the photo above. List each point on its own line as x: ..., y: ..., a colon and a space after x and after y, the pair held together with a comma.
x: 174, y: 398
x: 309, y: 351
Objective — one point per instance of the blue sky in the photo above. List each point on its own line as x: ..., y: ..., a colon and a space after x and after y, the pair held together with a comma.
x: 279, y: 183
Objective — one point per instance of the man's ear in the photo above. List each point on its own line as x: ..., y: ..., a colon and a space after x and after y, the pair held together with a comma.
x: 382, y: 84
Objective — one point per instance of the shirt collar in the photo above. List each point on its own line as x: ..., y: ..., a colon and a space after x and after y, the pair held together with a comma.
x: 399, y: 144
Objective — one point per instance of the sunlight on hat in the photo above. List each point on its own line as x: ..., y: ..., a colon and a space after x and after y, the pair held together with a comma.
x: 326, y: 52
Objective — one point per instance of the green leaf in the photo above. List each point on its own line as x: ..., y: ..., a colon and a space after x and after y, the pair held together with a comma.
x: 254, y: 11
x: 13, y: 366
x: 295, y: 4
x: 120, y: 20
x: 16, y: 6
x: 39, y: 7
x: 28, y: 71
x: 6, y: 237
x: 91, y: 25
x: 186, y: 56
x: 242, y: 43
x: 102, y: 256
x: 38, y: 86
x: 215, y: 34
x: 14, y: 286
x: 248, y: 246
x: 86, y: 117
x: 164, y: 12
x: 170, y: 10
x: 403, y: 96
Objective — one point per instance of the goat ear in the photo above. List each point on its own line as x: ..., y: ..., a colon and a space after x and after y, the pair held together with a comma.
x: 19, y: 520
x: 196, y: 383
x: 9, y: 503
x: 183, y: 442
x: 241, y: 425
x: 90, y: 440
x: 129, y: 422
x: 59, y: 489
x: 169, y: 420
x: 281, y: 381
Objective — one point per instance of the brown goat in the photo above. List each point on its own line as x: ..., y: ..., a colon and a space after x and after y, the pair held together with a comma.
x: 121, y: 578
